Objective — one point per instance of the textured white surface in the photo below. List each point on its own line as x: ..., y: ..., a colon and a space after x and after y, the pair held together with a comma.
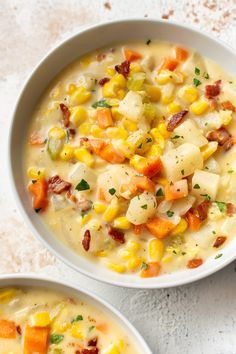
x: 194, y: 319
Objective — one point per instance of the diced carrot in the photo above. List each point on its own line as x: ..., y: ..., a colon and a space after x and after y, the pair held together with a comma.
x: 39, y: 189
x: 149, y: 167
x: 101, y: 195
x: 7, y: 329
x: 194, y: 221
x: 181, y: 54
x: 104, y: 118
x: 138, y: 229
x: 194, y: 263
x: 153, y: 270
x: 36, y: 139
x: 36, y: 340
x: 176, y: 190
x: 96, y: 145
x: 127, y: 190
x: 159, y: 227
x: 228, y: 106
x: 143, y: 183
x: 131, y: 55
x: 102, y: 327
x: 168, y: 64
x: 109, y: 154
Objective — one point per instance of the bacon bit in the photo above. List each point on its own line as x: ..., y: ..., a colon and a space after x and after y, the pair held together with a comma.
x: 36, y: 139
x: 71, y: 131
x: 66, y: 115
x: 123, y: 68
x: 100, y: 56
x: 219, y: 241
x: 87, y: 351
x: 175, y: 120
x: 230, y: 209
x: 202, y: 209
x: 228, y: 144
x: 194, y: 263
x: 213, y: 90
x: 116, y: 234
x: 220, y: 135
x: 19, y: 330
x: 84, y: 204
x: 213, y: 104
x: 103, y: 81
x: 138, y: 229
x: 228, y: 106
x: 58, y: 185
x: 93, y: 342
x: 86, y: 240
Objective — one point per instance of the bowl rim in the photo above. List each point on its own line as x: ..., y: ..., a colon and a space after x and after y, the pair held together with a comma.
x: 152, y: 285
x: 66, y: 285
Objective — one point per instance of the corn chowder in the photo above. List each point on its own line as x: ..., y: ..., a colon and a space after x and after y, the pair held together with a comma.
x: 39, y: 320
x: 130, y: 158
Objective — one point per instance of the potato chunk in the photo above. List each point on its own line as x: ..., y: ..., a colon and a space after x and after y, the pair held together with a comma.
x: 182, y: 161
x: 205, y: 183
x: 81, y: 171
x: 132, y: 106
x: 189, y: 133
x: 141, y: 208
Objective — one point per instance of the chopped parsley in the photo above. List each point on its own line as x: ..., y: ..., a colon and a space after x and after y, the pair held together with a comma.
x: 206, y: 196
x: 82, y: 185
x: 182, y: 172
x: 183, y: 253
x: 197, y: 71
x: 148, y: 41
x: 148, y: 140
x: 34, y: 181
x: 206, y: 75
x: 221, y: 206
x: 144, y: 266
x: 56, y: 338
x: 112, y: 191
x: 176, y: 137
x: 174, y: 251
x: 144, y: 206
x: 218, y: 255
x: 77, y: 318
x: 140, y: 146
x: 230, y: 171
x: 101, y: 103
x: 196, y: 82
x: 37, y: 210
x: 169, y: 213
x: 214, y: 232
x: 196, y: 186
x: 159, y: 192
x: 91, y: 328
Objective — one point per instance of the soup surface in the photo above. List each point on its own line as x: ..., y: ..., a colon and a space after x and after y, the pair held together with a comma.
x: 40, y: 320
x: 130, y: 158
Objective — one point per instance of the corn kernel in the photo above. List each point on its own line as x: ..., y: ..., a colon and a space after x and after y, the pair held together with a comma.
x: 35, y: 173
x: 81, y: 95
x: 85, y: 129
x: 153, y: 92
x: 111, y: 211
x: 199, y: 107
x: 150, y: 111
x: 113, y: 102
x: 135, y: 68
x: 209, y: 149
x: 119, y: 268
x: 137, y: 160
x: 225, y: 117
x: 61, y: 327
x: 71, y: 89
x: 99, y: 208
x: 158, y: 137
x: 102, y: 254
x: 155, y: 250
x: 116, y: 133
x: 110, y: 71
x: 120, y: 80
x: 67, y: 152
x: 163, y: 130
x: 96, y: 131
x: 133, y: 245
x: 125, y: 254
x: 57, y: 133
x: 76, y: 331
x: 125, y: 148
x: 188, y: 94
x: 109, y: 90
x: 167, y: 259
x: 85, y: 219
x: 129, y: 125
x: 115, y: 113
x: 134, y: 263
x: 78, y: 115
x: 180, y: 228
x: 154, y: 151
x: 84, y: 155
x: 173, y: 108
x: 162, y: 181
x: 122, y: 223
x: 163, y: 77
x: 7, y: 295
x: 121, y: 94
x: 121, y: 344
x: 40, y: 319
x: 167, y: 99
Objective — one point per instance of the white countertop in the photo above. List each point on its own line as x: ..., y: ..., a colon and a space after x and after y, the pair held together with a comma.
x: 194, y: 319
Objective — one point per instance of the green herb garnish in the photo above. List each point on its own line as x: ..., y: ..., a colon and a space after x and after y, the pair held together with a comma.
x: 197, y: 71
x: 196, y: 82
x: 82, y: 185
x: 77, y: 318
x: 206, y: 196
x: 148, y: 140
x: 196, y: 186
x: 169, y: 213
x: 112, y: 191
x: 221, y: 206
x: 218, y: 255
x: 144, y: 266
x: 144, y: 206
x: 37, y: 210
x: 206, y: 76
x: 34, y: 181
x: 91, y: 328
x: 140, y: 146
x: 176, y: 137
x: 182, y: 172
x: 148, y: 41
x: 230, y: 171
x: 159, y: 192
x: 101, y: 103
x: 56, y: 338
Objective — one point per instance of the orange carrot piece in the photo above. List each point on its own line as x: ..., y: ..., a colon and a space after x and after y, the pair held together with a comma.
x: 101, y: 195
x: 176, y: 190
x: 160, y: 228
x: 104, y: 118
x: 143, y: 183
x: 169, y: 64
x: 109, y: 154
x: 96, y: 145
x: 131, y: 55
x: 36, y: 340
x: 153, y: 270
x: 138, y: 229
x: 228, y: 106
x: 194, y: 263
x: 150, y: 167
x: 7, y: 329
x: 194, y: 221
x: 36, y: 140
x: 102, y: 327
x: 39, y: 189
x: 181, y: 54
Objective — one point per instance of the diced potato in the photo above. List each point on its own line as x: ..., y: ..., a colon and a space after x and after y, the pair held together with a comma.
x: 225, y: 117
x: 210, y: 121
x: 212, y: 166
x: 188, y: 132
x: 148, y: 62
x: 180, y: 207
x: 132, y: 106
x: 86, y: 80
x: 205, y: 183
x: 141, y: 208
x: 182, y: 161
x: 142, y: 141
x: 82, y: 171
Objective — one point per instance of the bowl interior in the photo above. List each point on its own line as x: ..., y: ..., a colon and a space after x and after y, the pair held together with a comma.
x: 86, y: 41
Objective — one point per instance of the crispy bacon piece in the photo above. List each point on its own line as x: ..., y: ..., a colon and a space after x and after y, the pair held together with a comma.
x: 212, y: 90
x: 100, y: 56
x: 36, y: 140
x: 87, y: 351
x: 219, y: 241
x: 93, y: 342
x: 230, y: 209
x: 103, y: 81
x: 222, y: 136
x: 71, y: 132
x: 116, y: 234
x: 86, y: 240
x: 228, y: 144
x: 228, y: 106
x: 202, y: 209
x: 194, y: 263
x: 66, y: 115
x: 58, y: 185
x: 123, y: 68
x: 19, y: 330
x: 175, y: 120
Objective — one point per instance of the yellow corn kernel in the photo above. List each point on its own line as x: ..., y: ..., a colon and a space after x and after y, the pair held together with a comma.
x: 40, y: 319
x: 61, y: 327
x: 85, y: 219
x: 84, y: 155
x: 225, y: 117
x: 199, y: 107
x: 75, y: 331
x: 163, y: 130
x: 125, y: 254
x: 153, y: 92
x: 81, y: 95
x: 180, y: 228
x: 35, y: 173
x: 111, y: 211
x: 102, y: 254
x: 167, y: 259
x: 188, y: 94
x: 167, y: 99
x: 110, y: 71
x: 125, y: 148
x: 71, y: 89
x: 135, y: 68
x: 150, y: 111
x: 192, y: 252
x: 163, y: 77
x: 173, y: 108
x: 156, y: 250
x: 78, y: 115
x: 85, y: 129
x: 114, y: 102
x: 158, y: 137
x: 129, y: 125
x: 109, y: 90
x: 121, y: 94
x: 137, y: 160
x: 67, y: 152
x: 209, y: 149
x: 133, y: 245
x: 115, y: 113
x: 154, y: 151
x: 116, y: 133
x: 99, y: 208
x: 120, y: 80
x: 122, y: 223
x: 134, y: 263
x: 121, y: 344
x: 119, y: 268
x: 7, y: 295
x: 57, y: 133
x: 161, y: 180
x: 96, y: 131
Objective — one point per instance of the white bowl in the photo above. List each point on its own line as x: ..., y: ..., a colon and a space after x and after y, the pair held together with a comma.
x: 81, y: 43
x: 61, y: 286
